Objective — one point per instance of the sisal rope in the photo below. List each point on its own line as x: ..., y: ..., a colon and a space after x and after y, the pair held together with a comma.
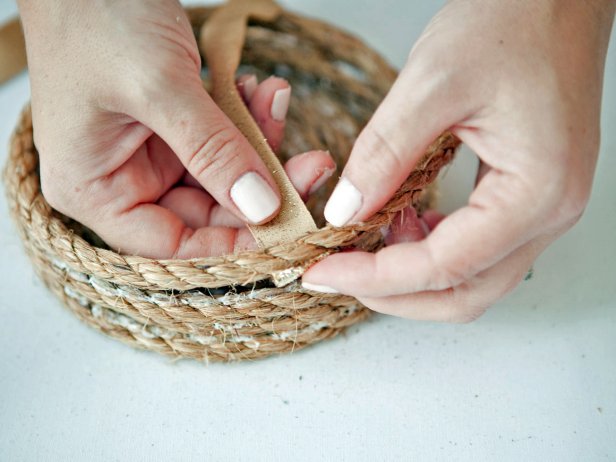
x: 247, y: 305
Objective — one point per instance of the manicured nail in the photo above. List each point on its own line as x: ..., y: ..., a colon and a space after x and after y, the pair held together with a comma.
x: 280, y: 104
x: 321, y: 180
x: 319, y: 288
x: 344, y: 203
x: 250, y: 86
x: 254, y: 197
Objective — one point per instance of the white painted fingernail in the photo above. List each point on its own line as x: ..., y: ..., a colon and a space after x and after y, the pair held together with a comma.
x: 321, y: 180
x: 254, y: 197
x: 319, y: 288
x: 280, y: 104
x: 344, y: 203
x: 250, y: 86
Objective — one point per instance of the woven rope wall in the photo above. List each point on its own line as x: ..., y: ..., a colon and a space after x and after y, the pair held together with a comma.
x: 241, y: 306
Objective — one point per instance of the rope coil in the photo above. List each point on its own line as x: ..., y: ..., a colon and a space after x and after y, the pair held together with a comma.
x: 247, y: 305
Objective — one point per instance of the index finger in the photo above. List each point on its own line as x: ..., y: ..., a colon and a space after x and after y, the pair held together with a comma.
x: 503, y: 213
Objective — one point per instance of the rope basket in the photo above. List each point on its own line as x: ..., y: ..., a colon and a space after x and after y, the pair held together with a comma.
x: 241, y: 306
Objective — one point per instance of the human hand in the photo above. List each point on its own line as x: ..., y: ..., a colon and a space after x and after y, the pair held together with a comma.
x: 130, y: 143
x: 520, y: 83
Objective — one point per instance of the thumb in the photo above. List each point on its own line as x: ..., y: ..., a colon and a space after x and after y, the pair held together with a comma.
x: 215, y: 153
x: 415, y: 111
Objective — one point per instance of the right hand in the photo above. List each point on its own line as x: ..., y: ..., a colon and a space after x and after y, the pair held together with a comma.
x: 520, y: 83
x: 130, y: 143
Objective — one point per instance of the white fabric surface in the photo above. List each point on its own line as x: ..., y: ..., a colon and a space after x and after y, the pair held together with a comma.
x: 534, y: 379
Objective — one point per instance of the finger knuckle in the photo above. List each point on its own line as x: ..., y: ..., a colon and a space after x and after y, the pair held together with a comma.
x: 446, y: 275
x: 384, y: 157
x: 426, y: 72
x: 566, y: 203
x: 464, y: 305
x: 53, y: 192
x: 573, y: 204
x: 150, y: 89
x: 422, y: 60
x: 568, y: 171
x: 517, y: 276
x: 450, y: 276
x: 52, y: 195
x: 215, y: 154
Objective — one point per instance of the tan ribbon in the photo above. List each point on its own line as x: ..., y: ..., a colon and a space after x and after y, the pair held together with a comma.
x: 222, y: 40
x: 12, y: 50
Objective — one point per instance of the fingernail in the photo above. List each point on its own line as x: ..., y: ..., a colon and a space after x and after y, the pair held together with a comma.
x: 254, y: 197
x: 250, y: 86
x: 343, y: 204
x: 321, y: 180
x: 319, y: 288
x: 280, y: 104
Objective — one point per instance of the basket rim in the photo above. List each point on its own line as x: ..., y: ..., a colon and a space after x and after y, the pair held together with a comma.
x: 257, y: 264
